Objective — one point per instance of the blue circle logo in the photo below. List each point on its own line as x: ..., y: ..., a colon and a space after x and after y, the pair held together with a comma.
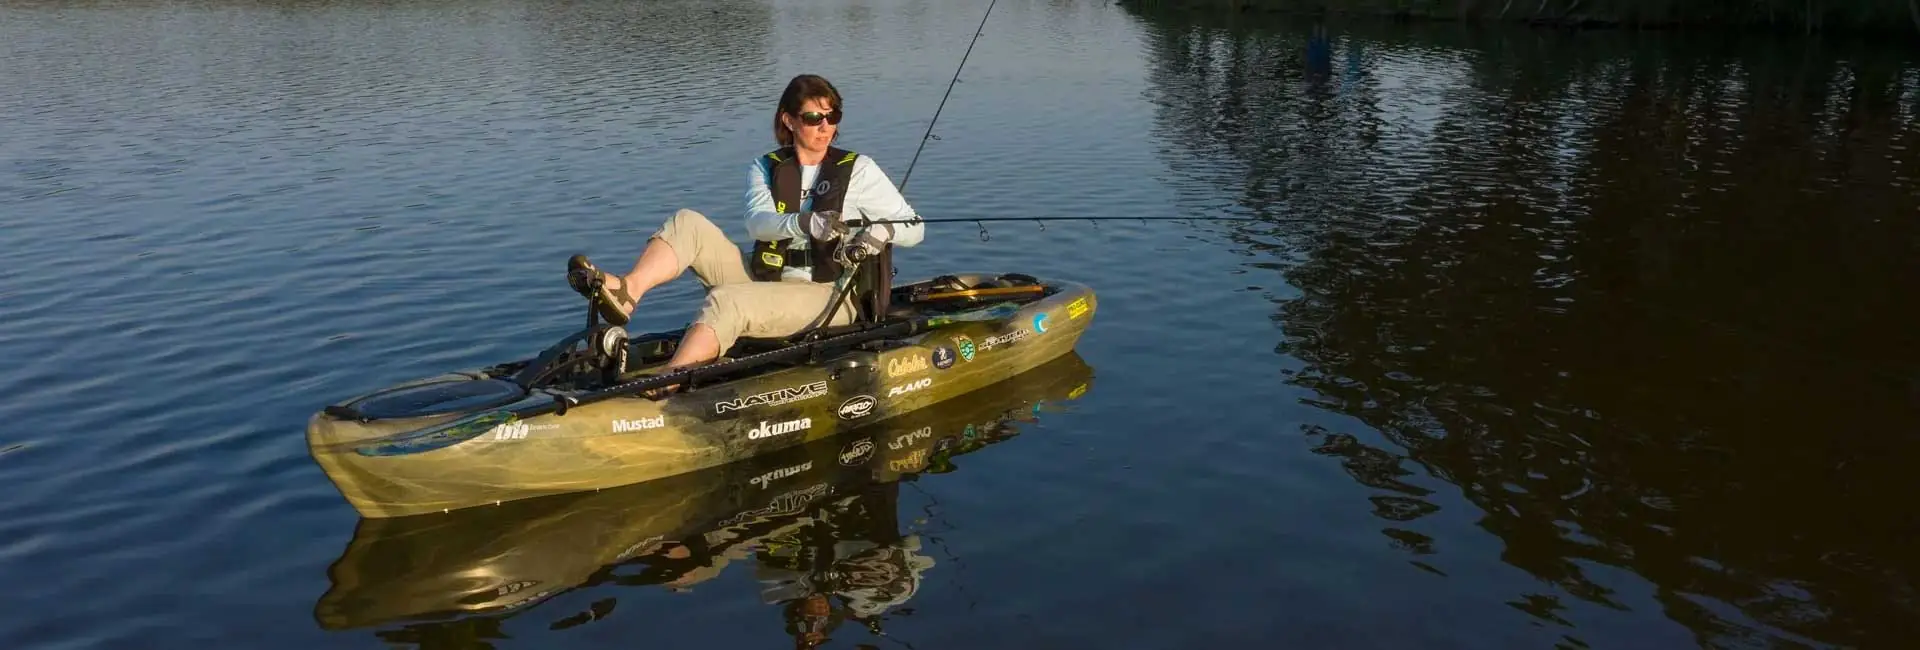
x: 1040, y: 323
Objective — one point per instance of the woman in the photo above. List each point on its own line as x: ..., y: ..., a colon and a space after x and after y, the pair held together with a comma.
x: 795, y: 196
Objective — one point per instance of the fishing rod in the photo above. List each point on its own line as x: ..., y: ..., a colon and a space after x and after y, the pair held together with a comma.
x: 943, y: 98
x: 843, y: 285
x: 863, y: 222
x: 977, y: 32
x: 1043, y: 226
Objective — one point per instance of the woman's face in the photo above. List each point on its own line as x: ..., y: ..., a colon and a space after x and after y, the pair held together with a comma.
x: 815, y: 125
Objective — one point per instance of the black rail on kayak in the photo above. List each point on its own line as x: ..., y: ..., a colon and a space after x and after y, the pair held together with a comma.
x: 607, y: 359
x: 475, y: 423
x: 807, y: 350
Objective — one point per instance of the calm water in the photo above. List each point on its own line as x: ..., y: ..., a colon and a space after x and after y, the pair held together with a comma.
x: 1541, y: 340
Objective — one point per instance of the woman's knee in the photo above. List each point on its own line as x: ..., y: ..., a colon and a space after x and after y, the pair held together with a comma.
x: 724, y: 311
x: 683, y: 232
x: 721, y: 300
x: 689, y: 218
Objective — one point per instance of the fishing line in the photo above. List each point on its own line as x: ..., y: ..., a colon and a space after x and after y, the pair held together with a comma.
x: 979, y: 221
x: 1069, y: 218
x: 943, y: 98
x: 1043, y: 225
x: 977, y: 31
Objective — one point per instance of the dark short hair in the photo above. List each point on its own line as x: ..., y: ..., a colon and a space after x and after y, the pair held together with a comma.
x: 800, y: 90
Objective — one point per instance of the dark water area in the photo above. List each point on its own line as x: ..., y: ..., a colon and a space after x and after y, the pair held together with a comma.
x: 1540, y: 339
x: 1640, y: 299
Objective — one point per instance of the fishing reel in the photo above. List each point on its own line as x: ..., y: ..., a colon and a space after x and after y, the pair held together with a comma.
x: 851, y: 255
x: 857, y: 248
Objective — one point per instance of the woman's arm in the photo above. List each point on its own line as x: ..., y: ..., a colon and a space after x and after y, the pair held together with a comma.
x: 763, y: 222
x: 873, y: 193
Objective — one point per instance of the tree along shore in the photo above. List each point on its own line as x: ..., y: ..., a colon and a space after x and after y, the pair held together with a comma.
x: 1901, y: 17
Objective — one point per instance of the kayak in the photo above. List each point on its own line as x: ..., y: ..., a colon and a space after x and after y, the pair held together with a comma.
x: 583, y: 414
x: 812, y: 515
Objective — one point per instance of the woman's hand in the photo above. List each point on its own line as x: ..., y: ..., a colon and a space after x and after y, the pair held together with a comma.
x: 868, y: 243
x: 823, y: 226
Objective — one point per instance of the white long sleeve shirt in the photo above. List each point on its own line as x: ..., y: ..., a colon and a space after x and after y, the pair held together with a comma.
x: 869, y: 193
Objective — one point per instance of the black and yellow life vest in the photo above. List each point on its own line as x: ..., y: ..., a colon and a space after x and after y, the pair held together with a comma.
x: 872, y: 287
x: 829, y: 191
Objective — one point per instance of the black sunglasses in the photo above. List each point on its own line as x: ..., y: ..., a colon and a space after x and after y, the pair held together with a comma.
x: 814, y: 118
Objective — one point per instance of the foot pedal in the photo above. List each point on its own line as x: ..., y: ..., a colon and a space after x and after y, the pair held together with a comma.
x: 583, y: 276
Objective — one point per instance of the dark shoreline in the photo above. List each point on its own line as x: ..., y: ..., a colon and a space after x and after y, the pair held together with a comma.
x: 1879, y: 22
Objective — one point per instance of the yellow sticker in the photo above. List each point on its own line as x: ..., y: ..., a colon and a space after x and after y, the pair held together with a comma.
x: 1076, y: 308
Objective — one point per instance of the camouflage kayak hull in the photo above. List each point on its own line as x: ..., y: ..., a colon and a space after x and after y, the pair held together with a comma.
x: 484, y: 437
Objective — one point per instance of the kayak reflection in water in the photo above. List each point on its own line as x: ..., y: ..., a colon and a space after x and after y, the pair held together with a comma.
x: 856, y: 578
x: 847, y: 560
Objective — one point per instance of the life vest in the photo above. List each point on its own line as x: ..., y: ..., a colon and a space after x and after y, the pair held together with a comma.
x: 873, y: 285
x: 829, y: 191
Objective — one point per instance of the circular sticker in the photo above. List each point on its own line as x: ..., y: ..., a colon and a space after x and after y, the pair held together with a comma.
x: 856, y: 408
x: 943, y: 357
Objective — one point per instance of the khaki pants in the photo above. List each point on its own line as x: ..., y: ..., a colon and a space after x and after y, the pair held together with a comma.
x: 736, y: 304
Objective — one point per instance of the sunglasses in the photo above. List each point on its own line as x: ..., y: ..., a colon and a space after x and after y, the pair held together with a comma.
x: 814, y: 118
